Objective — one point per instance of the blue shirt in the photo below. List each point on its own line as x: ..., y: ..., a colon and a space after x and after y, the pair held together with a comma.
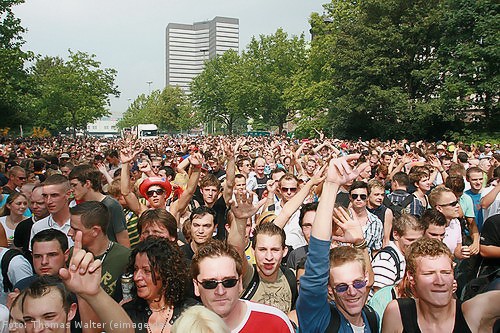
x: 478, y: 211
x: 313, y: 309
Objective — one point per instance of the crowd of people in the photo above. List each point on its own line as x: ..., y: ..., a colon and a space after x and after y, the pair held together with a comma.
x: 244, y: 234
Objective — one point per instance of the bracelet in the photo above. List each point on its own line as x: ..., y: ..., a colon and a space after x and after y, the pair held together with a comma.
x: 363, y: 245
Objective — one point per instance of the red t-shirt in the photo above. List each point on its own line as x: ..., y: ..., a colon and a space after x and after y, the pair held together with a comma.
x: 263, y: 318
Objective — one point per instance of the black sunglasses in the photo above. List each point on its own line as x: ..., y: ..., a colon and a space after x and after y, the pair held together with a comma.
x: 452, y: 204
x: 212, y: 284
x: 354, y: 196
x: 343, y: 287
x: 159, y: 191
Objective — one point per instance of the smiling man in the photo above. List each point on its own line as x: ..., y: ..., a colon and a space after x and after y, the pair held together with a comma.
x: 217, y: 277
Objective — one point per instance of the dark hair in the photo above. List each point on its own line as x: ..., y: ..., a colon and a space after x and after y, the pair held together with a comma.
x: 48, y: 235
x: 432, y: 216
x: 42, y: 285
x: 158, y: 216
x: 456, y: 184
x: 167, y: 265
x: 169, y: 171
x: 401, y: 178
x: 93, y: 213
x: 84, y: 172
x: 269, y: 229
x: 358, y: 184
x: 213, y: 249
x: 308, y: 207
x: 201, y: 211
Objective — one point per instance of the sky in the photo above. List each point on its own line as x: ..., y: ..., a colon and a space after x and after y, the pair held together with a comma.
x: 129, y: 35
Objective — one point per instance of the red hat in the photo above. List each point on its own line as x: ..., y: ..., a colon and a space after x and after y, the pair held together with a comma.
x: 148, y: 182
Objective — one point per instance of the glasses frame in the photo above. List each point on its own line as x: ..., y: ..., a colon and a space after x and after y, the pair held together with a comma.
x: 212, y: 284
x: 343, y: 287
x: 158, y: 191
x: 451, y: 204
x: 288, y: 189
x: 363, y: 196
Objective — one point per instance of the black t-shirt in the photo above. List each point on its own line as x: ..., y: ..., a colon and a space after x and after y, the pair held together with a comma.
x: 22, y: 235
x: 490, y: 236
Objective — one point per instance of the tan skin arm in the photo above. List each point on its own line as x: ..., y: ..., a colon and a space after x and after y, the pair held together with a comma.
x: 489, y: 198
x: 479, y: 313
x: 391, y: 321
x: 180, y: 204
x: 389, y: 217
x: 3, y: 237
x: 242, y: 209
x: 122, y: 238
x: 291, y: 206
x: 127, y: 156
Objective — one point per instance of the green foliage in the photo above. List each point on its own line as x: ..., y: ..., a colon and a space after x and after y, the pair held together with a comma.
x: 170, y: 109
x: 396, y: 68
x: 273, y: 61
x: 72, y: 93
x: 14, y: 81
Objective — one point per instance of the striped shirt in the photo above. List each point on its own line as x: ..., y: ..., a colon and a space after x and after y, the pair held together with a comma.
x: 385, y: 268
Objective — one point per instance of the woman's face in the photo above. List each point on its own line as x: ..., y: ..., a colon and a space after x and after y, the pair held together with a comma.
x: 18, y: 206
x: 143, y: 279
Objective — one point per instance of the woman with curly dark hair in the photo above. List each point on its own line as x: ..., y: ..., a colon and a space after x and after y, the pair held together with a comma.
x: 160, y: 276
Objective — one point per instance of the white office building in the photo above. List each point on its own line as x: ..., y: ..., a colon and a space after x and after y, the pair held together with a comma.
x: 188, y: 46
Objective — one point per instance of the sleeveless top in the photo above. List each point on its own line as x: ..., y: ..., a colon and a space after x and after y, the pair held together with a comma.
x: 408, y: 311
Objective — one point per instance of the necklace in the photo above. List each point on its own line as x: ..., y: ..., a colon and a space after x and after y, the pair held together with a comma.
x: 110, y: 244
x: 167, y: 317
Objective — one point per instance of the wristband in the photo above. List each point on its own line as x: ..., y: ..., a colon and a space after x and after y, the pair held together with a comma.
x: 363, y: 245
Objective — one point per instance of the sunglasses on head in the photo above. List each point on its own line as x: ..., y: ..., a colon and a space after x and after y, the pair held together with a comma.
x: 212, y: 284
x: 451, y: 204
x: 343, y: 287
x: 159, y: 191
x: 289, y: 189
x: 354, y: 196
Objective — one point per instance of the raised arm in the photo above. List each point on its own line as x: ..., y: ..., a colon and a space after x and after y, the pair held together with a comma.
x: 126, y: 156
x: 293, y: 204
x: 227, y: 191
x: 180, y: 204
x: 83, y: 277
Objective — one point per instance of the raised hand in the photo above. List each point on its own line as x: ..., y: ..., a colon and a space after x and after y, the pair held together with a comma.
x: 340, y: 172
x: 242, y: 207
x: 319, y: 176
x: 128, y: 154
x: 83, y: 275
x: 352, y: 231
x: 271, y: 186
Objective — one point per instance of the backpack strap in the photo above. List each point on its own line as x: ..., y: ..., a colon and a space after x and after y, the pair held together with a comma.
x: 6, y: 259
x: 408, y: 312
x: 252, y: 286
x: 292, y: 282
x: 371, y: 317
x: 394, y: 255
x: 334, y: 324
x: 407, y: 201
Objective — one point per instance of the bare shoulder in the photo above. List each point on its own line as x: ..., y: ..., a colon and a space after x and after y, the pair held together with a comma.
x: 391, y: 322
x: 478, y: 311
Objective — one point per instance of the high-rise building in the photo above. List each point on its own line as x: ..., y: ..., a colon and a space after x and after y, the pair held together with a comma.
x: 188, y: 46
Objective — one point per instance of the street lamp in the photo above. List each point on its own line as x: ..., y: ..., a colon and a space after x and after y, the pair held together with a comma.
x: 149, y: 84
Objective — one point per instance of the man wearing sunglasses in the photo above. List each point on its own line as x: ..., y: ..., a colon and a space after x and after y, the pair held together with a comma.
x: 217, y: 277
x: 342, y: 273
x: 444, y: 200
x: 17, y: 178
x: 373, y: 228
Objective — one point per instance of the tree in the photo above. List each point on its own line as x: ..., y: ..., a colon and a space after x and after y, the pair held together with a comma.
x: 14, y: 80
x: 170, y: 109
x: 216, y: 91
x: 72, y: 93
x: 272, y: 61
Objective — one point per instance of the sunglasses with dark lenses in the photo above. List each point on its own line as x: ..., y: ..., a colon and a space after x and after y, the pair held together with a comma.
x: 155, y: 166
x: 451, y: 204
x: 343, y: 287
x: 289, y: 189
x: 159, y: 191
x: 212, y: 284
x: 354, y: 196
